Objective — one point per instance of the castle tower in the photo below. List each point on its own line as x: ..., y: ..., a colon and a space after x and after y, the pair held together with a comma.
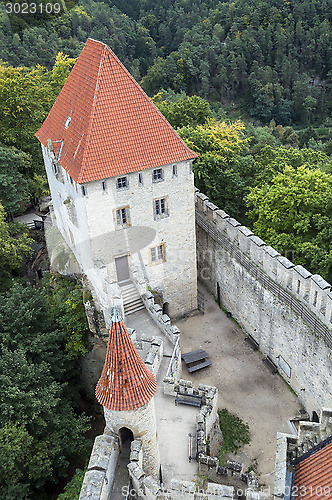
x: 125, y: 389
x: 122, y: 184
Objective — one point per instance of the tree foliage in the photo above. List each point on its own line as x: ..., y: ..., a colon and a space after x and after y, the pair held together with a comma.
x: 220, y: 170
x: 14, y: 244
x: 14, y: 187
x: 271, y: 57
x: 293, y: 212
x: 185, y: 111
x: 35, y: 407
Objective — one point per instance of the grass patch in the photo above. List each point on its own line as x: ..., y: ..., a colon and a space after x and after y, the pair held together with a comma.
x: 235, y: 432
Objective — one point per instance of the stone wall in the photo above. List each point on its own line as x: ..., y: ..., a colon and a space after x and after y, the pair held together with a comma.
x: 283, y: 307
x: 162, y: 320
x: 99, y: 478
x: 175, y: 365
x: 142, y: 423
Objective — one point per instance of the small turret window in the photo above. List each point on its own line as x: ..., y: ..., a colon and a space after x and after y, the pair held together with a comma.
x: 67, y: 122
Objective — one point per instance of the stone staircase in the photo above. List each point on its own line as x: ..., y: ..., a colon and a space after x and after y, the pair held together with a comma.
x: 132, y: 301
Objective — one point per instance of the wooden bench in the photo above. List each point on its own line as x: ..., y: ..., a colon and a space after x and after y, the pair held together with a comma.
x: 194, y: 368
x: 188, y: 399
x: 252, y: 342
x: 271, y: 366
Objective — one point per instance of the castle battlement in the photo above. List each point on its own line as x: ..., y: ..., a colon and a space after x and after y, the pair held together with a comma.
x: 311, y: 290
x: 285, y: 310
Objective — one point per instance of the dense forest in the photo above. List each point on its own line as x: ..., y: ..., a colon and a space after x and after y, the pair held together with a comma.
x: 247, y: 85
x: 270, y: 59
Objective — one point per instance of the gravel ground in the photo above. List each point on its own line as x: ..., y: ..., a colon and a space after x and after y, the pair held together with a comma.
x: 246, y: 386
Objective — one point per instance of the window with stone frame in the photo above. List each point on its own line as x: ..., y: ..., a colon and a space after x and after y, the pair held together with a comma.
x: 122, y: 217
x: 158, y: 254
x: 122, y: 182
x: 157, y: 175
x: 174, y: 171
x: 160, y: 208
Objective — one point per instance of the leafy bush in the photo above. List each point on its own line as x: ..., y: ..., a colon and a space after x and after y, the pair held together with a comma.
x: 235, y: 432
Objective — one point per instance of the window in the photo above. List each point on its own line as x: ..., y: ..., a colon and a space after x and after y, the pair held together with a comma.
x: 55, y: 168
x: 71, y: 180
x: 157, y: 175
x: 175, y: 171
x: 122, y: 183
x: 158, y: 254
x: 122, y: 217
x: 103, y: 185
x: 160, y: 208
x: 84, y: 191
x: 67, y: 122
x: 315, y: 298
x: 140, y: 179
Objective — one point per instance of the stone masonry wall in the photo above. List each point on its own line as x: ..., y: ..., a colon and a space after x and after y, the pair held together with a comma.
x: 142, y: 423
x: 283, y: 307
x: 99, y: 478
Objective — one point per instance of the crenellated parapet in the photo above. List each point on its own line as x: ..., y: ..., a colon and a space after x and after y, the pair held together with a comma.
x: 285, y: 309
x: 311, y: 290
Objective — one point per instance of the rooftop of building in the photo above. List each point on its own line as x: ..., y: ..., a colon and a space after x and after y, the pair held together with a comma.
x: 125, y: 383
x: 313, y: 472
x: 103, y: 124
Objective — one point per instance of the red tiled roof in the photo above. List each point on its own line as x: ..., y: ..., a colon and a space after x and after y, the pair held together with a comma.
x: 125, y: 383
x: 114, y: 128
x: 313, y: 476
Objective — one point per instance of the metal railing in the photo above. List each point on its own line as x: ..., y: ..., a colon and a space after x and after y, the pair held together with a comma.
x: 316, y: 325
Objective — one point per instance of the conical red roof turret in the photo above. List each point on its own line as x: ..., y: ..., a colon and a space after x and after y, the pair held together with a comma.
x: 125, y: 383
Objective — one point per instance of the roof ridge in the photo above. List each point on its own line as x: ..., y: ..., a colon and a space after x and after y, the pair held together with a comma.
x: 92, y: 113
x: 145, y: 95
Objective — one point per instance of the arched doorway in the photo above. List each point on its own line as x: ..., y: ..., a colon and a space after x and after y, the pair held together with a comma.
x: 165, y: 308
x: 314, y: 417
x: 126, y: 437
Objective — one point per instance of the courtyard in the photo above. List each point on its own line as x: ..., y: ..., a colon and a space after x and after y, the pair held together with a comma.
x: 246, y: 388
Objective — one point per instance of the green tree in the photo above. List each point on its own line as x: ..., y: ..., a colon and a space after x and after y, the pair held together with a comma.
x: 73, y: 488
x: 189, y: 111
x: 294, y: 212
x: 26, y: 96
x: 14, y: 188
x: 220, y: 171
x: 34, y: 377
x: 16, y: 452
x: 14, y: 244
x: 66, y: 302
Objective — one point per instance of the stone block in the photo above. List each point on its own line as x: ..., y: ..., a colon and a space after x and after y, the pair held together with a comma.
x: 324, y: 285
x: 234, y: 466
x: 233, y: 222
x: 302, y: 271
x: 92, y: 485
x: 222, y: 471
x: 285, y: 262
